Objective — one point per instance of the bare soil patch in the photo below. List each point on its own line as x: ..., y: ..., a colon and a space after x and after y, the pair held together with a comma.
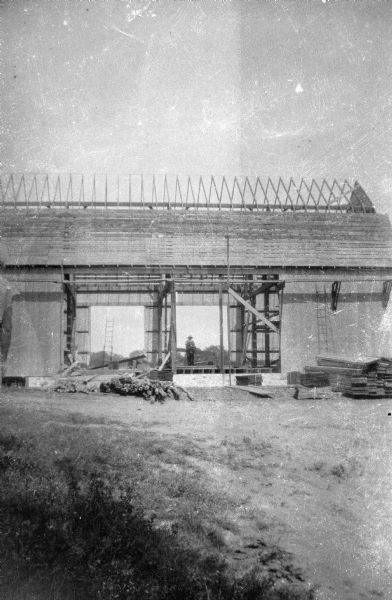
x: 308, y: 477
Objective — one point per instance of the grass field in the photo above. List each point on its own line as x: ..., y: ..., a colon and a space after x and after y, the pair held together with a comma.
x: 228, y: 496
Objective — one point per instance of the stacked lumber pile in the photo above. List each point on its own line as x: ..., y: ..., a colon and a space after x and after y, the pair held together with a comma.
x: 357, y: 378
x: 384, y: 372
x: 314, y: 377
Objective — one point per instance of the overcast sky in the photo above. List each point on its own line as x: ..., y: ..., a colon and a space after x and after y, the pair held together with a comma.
x: 128, y: 327
x: 180, y: 86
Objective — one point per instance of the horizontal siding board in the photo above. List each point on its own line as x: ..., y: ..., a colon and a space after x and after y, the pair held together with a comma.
x: 139, y: 237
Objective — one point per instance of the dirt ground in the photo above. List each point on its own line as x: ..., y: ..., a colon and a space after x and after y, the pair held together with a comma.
x: 313, y: 476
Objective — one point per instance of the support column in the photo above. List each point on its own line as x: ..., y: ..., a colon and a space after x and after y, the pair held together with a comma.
x: 159, y: 319
x: 70, y: 318
x: 162, y: 320
x: 280, y: 307
x: 254, y: 334
x: 151, y: 332
x: 159, y: 309
x: 245, y: 336
x: 82, y: 333
x: 173, y: 328
x: 222, y: 359
x: 166, y: 323
x: 236, y: 332
x: 267, y: 355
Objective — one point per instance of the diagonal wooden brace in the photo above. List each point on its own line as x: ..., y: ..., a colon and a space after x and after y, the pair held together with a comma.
x: 252, y: 310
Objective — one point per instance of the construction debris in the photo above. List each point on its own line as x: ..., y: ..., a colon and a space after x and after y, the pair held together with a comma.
x: 73, y: 386
x: 310, y: 379
x: 129, y: 384
x: 256, y: 391
x: 155, y: 391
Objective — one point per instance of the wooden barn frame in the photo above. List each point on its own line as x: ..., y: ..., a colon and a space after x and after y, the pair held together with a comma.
x: 253, y: 318
x: 295, y: 268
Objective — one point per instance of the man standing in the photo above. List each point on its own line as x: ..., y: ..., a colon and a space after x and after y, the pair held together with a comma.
x: 190, y: 348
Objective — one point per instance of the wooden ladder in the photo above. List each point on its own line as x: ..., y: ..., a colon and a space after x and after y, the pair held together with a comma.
x: 108, y: 342
x: 325, y: 340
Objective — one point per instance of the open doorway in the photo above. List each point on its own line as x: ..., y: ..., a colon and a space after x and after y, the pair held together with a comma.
x: 116, y: 332
x: 202, y: 323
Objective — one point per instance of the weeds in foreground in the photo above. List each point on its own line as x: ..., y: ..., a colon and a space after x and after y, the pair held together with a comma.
x: 76, y: 528
x: 342, y: 470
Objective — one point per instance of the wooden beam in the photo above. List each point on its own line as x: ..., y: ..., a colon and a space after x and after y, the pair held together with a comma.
x: 267, y: 344
x: 228, y: 306
x: 222, y: 359
x: 280, y: 304
x: 159, y: 319
x: 262, y: 288
x: 252, y: 309
x: 165, y: 340
x: 245, y: 339
x: 254, y: 333
x: 164, y: 361
x: 173, y: 327
x: 70, y: 290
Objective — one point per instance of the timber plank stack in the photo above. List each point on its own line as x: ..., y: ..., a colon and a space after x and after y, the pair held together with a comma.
x: 356, y: 378
x: 313, y: 378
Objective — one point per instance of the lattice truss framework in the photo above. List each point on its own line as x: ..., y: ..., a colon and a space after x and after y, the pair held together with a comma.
x: 48, y: 190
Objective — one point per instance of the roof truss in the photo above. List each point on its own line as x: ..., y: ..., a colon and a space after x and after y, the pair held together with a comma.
x: 90, y: 191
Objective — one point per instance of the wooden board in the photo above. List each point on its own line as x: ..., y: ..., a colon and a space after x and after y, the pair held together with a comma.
x: 115, y: 237
x: 256, y: 391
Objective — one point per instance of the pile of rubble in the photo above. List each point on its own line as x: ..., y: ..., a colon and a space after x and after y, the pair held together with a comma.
x: 141, y: 380
x: 155, y: 391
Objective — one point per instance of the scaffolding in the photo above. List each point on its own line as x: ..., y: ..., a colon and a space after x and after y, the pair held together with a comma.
x: 239, y: 296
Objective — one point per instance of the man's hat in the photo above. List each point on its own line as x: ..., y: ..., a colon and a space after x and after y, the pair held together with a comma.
x: 190, y: 337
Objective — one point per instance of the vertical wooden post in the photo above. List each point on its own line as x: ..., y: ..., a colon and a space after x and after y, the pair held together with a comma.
x: 173, y: 328
x: 222, y: 358
x: 267, y: 356
x: 254, y: 334
x: 70, y: 316
x: 245, y: 336
x: 165, y: 342
x: 159, y: 325
x: 229, y: 333
x: 73, y: 322
x: 228, y: 306
x: 280, y: 299
x: 159, y: 308
x: 2, y: 368
x: 62, y: 288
